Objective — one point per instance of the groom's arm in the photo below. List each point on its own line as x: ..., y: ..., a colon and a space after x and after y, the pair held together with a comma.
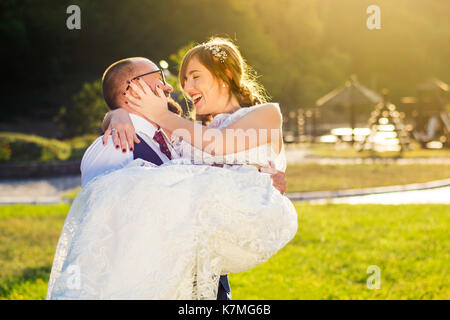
x: 99, y: 159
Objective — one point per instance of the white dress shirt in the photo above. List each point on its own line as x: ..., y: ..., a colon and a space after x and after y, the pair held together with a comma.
x: 99, y: 159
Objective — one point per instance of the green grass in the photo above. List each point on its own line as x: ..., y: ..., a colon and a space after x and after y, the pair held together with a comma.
x: 315, y: 177
x: 330, y: 151
x: 327, y: 259
x: 28, y: 237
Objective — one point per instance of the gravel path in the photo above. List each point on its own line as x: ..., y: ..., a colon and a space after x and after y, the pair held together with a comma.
x: 43, y: 190
x: 437, y: 195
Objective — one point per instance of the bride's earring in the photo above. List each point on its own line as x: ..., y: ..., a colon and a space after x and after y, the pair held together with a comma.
x: 223, y: 85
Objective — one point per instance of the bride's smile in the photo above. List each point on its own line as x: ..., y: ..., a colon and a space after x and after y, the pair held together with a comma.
x: 209, y: 94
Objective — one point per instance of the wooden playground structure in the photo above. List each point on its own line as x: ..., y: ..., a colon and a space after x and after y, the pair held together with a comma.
x: 424, y: 118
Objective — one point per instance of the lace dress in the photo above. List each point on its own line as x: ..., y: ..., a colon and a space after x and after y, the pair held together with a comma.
x: 169, y: 232
x: 258, y: 156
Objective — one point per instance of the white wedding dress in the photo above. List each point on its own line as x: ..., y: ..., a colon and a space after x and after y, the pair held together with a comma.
x: 169, y: 232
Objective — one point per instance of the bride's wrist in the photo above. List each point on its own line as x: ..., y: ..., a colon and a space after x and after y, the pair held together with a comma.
x: 118, y: 114
x: 163, y: 116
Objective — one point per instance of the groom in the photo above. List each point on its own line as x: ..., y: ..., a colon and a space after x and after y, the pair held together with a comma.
x: 153, y: 146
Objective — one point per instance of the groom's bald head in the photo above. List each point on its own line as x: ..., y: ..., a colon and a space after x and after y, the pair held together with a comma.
x: 116, y: 75
x: 114, y: 81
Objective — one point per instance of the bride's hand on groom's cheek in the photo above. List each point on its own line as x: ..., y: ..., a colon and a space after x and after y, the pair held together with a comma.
x: 145, y: 101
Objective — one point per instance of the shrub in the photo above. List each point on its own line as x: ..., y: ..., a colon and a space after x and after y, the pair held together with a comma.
x: 18, y: 147
x: 5, y: 151
x: 86, y: 113
x: 80, y: 144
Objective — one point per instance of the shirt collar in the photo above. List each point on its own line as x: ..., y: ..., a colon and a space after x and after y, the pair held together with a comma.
x: 142, y: 125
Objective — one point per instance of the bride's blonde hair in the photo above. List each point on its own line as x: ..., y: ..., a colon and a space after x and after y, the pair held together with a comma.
x: 222, y: 57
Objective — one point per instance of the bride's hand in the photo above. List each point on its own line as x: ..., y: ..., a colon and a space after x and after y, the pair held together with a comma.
x: 121, y: 129
x: 149, y: 104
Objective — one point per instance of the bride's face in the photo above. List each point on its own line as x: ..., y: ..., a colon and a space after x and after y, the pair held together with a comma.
x: 209, y: 94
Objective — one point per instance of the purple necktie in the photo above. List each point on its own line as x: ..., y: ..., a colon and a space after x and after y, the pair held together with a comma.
x: 158, y: 137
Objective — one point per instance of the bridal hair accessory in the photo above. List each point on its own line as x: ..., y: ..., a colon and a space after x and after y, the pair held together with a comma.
x: 217, y: 51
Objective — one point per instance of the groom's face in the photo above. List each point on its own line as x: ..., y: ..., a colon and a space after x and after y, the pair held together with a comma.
x: 141, y: 67
x: 152, y: 79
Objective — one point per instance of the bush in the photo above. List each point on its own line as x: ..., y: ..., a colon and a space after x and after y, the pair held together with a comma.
x: 5, y: 151
x: 86, y: 113
x: 80, y: 144
x: 18, y: 147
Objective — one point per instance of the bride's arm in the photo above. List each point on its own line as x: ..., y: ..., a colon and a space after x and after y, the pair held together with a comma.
x: 106, y: 120
x: 259, y: 126
x: 120, y: 120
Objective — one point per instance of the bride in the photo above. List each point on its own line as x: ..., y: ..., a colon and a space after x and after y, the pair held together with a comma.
x: 169, y: 232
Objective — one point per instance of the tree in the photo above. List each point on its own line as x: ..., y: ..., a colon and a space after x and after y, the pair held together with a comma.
x: 86, y: 112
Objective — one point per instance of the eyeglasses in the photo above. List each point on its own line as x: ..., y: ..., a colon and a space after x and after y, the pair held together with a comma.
x: 163, y: 78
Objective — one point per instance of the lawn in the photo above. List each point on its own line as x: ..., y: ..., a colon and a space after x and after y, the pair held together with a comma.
x: 327, y: 259
x: 316, y: 177
x: 346, y: 151
x: 28, y: 237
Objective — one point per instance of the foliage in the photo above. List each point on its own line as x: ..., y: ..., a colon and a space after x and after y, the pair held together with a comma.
x: 5, y: 151
x: 86, y: 114
x: 80, y: 144
x: 16, y: 147
x: 176, y: 58
x: 19, y: 147
x: 300, y: 49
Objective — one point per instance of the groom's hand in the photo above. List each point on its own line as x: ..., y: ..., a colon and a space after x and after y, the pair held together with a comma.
x: 278, y: 177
